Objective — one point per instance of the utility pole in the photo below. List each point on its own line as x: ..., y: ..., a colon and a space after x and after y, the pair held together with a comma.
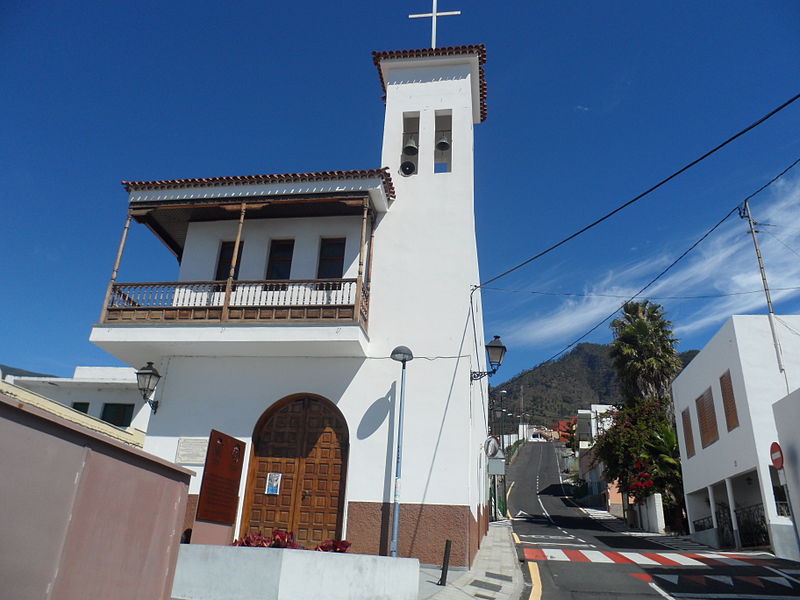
x: 746, y: 214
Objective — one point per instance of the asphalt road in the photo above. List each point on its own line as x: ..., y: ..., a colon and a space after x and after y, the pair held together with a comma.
x: 570, y: 555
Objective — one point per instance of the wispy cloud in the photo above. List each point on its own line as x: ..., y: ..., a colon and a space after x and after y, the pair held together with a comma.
x: 582, y: 108
x: 723, y: 264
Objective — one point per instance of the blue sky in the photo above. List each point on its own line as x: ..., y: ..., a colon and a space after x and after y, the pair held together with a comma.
x: 589, y: 104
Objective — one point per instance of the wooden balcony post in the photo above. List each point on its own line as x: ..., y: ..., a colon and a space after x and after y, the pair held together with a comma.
x: 114, y: 272
x: 234, y: 262
x: 361, y: 257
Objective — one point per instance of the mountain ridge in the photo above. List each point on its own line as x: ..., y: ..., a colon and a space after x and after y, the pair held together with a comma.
x: 557, y: 389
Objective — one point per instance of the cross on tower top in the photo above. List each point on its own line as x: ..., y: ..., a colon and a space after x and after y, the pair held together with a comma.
x: 433, y: 14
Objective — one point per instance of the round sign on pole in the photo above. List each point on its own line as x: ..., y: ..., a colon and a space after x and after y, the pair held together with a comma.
x: 776, y: 454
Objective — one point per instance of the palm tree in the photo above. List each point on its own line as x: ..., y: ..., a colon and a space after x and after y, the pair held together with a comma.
x: 643, y: 353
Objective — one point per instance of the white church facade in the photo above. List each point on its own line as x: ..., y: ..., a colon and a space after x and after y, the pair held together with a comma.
x: 293, y: 289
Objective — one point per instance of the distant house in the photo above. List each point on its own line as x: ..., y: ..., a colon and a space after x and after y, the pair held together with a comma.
x: 592, y: 422
x: 107, y: 393
x: 723, y: 408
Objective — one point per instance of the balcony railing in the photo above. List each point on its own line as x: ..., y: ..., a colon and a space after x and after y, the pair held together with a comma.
x: 703, y: 524
x: 273, y: 300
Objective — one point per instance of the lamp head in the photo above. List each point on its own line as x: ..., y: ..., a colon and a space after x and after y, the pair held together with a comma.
x: 402, y: 354
x: 496, y: 351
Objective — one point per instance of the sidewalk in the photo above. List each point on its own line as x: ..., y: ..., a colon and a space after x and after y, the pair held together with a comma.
x: 495, y: 574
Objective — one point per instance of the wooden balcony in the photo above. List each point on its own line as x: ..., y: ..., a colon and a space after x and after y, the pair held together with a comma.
x: 274, y: 301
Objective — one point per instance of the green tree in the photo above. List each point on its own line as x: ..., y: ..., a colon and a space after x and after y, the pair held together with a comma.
x: 643, y: 353
x: 640, y: 449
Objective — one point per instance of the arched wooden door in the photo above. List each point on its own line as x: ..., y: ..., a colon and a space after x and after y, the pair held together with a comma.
x: 305, y: 439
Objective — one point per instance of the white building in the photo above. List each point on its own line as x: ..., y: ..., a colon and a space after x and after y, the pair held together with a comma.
x: 723, y: 407
x: 107, y: 393
x: 292, y: 290
x: 787, y: 417
x: 591, y: 423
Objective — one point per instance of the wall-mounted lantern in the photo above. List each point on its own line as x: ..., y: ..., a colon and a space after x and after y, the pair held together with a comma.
x: 496, y: 352
x: 147, y: 379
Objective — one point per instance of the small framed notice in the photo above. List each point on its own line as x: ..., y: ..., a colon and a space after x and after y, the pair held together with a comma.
x: 273, y: 484
x: 191, y: 451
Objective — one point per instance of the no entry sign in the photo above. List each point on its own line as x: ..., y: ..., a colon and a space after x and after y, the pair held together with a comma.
x: 776, y: 454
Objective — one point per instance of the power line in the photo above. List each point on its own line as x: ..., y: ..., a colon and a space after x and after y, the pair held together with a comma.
x: 645, y: 193
x: 782, y: 243
x: 662, y: 273
x: 598, y: 295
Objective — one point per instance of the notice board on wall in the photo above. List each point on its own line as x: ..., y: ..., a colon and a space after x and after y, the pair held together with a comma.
x: 219, y: 490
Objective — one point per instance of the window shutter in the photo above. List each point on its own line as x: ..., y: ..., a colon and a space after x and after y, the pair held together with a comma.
x: 688, y: 436
x: 707, y: 419
x: 729, y: 401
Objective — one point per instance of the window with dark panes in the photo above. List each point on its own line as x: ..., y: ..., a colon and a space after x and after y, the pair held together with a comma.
x: 331, y: 258
x: 688, y: 436
x: 81, y: 406
x: 729, y: 401
x: 224, y: 261
x: 707, y: 419
x: 279, y: 264
x: 120, y: 415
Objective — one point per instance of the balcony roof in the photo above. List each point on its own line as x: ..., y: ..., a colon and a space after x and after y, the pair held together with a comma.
x: 167, y: 207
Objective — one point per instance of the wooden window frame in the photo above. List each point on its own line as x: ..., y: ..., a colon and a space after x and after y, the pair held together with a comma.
x: 707, y: 418
x: 272, y: 261
x: 320, y: 259
x: 729, y: 401
x: 688, y: 434
x: 225, y: 269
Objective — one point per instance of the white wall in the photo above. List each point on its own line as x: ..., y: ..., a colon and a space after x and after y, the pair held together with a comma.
x: 231, y: 394
x: 787, y: 418
x: 204, y: 238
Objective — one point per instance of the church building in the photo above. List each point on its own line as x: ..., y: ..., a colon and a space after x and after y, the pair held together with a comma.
x: 291, y: 293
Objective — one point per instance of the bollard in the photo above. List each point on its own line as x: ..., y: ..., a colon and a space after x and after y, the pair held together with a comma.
x: 445, y: 562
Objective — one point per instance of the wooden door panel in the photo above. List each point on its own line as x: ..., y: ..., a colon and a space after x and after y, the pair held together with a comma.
x: 306, y: 441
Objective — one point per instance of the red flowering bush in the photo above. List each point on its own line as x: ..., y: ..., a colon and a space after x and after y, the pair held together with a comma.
x: 282, y: 538
x: 641, y: 481
x: 334, y: 546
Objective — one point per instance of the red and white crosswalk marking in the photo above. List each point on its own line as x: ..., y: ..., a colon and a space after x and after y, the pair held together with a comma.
x: 663, y: 559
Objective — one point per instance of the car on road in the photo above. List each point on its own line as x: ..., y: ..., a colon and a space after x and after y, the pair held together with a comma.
x: 537, y: 437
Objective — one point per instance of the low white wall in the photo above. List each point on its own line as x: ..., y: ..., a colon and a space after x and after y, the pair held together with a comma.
x: 650, y: 514
x: 235, y: 573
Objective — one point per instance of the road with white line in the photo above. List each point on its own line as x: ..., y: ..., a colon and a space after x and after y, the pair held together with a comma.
x: 576, y: 554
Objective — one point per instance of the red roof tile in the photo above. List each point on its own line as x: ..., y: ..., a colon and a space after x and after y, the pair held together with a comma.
x: 478, y: 49
x: 383, y: 173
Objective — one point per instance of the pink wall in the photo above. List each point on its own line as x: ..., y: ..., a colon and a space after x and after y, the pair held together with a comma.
x: 84, y: 516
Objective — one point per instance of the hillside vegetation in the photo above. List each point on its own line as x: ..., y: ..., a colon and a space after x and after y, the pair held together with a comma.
x: 557, y: 389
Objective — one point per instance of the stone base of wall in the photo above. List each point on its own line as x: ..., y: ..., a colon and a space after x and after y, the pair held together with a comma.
x: 424, y: 529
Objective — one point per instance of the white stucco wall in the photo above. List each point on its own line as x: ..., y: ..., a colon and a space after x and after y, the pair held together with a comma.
x: 204, y: 238
x: 787, y: 419
x: 424, y: 265
x: 744, y: 346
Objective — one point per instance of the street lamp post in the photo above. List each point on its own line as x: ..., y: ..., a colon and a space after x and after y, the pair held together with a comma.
x: 403, y: 355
